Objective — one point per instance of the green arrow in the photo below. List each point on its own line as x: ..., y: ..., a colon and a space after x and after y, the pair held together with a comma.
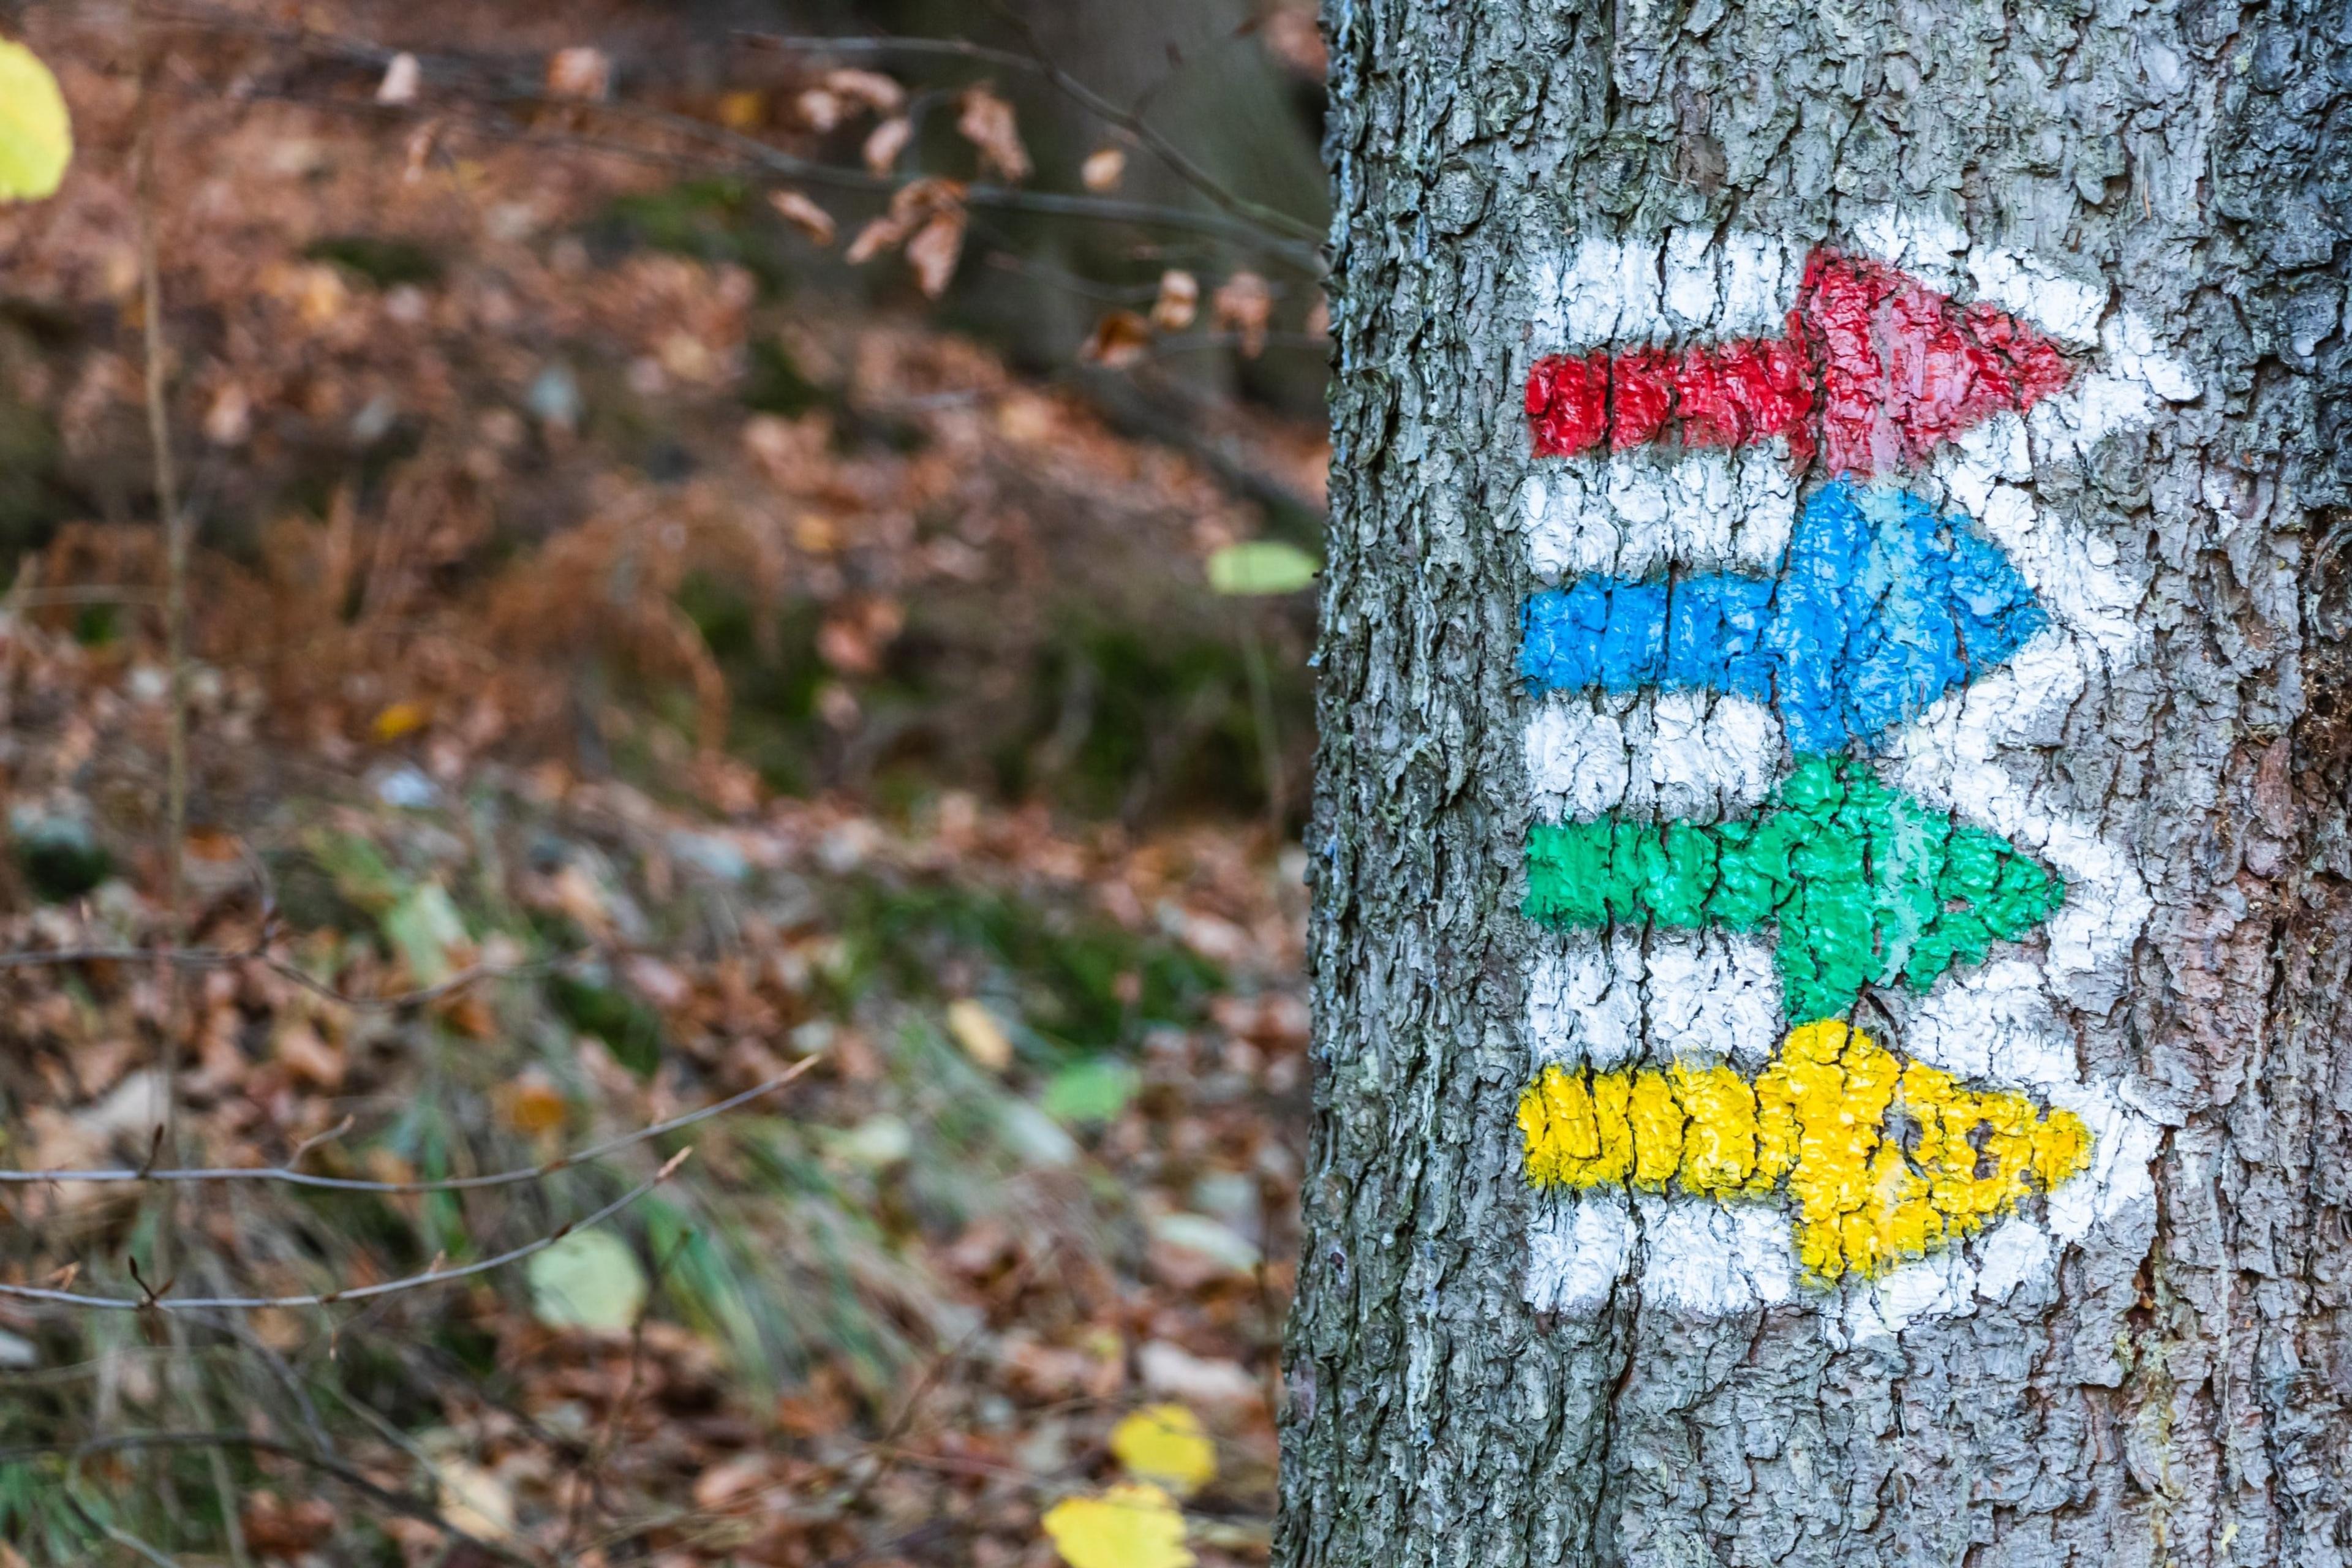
x: 1864, y: 885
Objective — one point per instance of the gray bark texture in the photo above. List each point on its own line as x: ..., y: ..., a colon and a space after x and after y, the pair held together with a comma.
x: 2180, y: 1393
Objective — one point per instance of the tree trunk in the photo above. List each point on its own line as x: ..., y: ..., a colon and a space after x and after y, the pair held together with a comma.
x: 1832, y: 894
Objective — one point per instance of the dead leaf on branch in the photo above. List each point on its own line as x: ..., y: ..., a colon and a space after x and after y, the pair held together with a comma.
x: 1178, y: 302
x: 934, y: 251
x: 1103, y: 170
x: 820, y: 111
x: 887, y: 141
x: 1119, y: 340
x: 1243, y: 306
x: 804, y: 215
x: 581, y: 73
x: 926, y: 218
x: 871, y: 88
x: 986, y: 121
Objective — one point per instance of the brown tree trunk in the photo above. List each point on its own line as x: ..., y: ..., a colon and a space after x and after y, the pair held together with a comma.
x: 2038, y: 1245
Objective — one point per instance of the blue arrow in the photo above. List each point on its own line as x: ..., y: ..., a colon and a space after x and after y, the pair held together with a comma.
x: 1879, y: 608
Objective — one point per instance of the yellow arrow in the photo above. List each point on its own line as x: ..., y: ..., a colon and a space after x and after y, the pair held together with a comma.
x: 1887, y: 1160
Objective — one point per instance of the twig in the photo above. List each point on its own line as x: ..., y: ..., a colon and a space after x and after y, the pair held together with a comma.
x: 588, y: 1478
x: 1179, y: 162
x: 176, y: 521
x: 886, y: 1450
x: 326, y: 1464
x: 761, y: 158
x: 83, y: 593
x: 287, y: 1176
x: 115, y: 1532
x: 223, y: 958
x: 153, y: 1301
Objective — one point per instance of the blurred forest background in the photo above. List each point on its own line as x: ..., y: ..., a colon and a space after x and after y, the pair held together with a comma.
x: 740, y: 554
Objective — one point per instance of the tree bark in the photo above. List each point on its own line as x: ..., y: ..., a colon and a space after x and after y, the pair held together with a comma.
x: 2144, y: 1359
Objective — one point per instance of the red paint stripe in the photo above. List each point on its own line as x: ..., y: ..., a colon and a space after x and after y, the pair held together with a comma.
x: 1876, y: 370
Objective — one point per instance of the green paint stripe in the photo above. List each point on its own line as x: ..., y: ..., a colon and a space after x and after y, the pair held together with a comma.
x: 1864, y: 886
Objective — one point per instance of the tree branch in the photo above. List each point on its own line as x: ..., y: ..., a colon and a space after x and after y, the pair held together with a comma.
x: 223, y: 958
x: 1037, y: 61
x: 286, y: 1175
x: 1289, y: 240
x: 150, y: 1302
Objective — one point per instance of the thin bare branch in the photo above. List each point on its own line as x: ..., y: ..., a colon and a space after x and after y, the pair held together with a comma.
x: 1037, y: 61
x: 178, y: 525
x: 153, y: 1302
x: 287, y: 1176
x: 223, y: 958
x: 1289, y: 242
x: 117, y: 1535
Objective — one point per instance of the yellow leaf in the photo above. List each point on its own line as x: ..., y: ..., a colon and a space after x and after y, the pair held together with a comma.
x: 983, y: 1039
x: 399, y: 719
x: 1165, y: 1444
x: 36, y: 136
x: 1127, y: 1527
x: 532, y: 1104
x: 742, y: 110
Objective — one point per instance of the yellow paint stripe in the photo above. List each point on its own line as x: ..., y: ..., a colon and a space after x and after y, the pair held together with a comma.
x: 1884, y: 1160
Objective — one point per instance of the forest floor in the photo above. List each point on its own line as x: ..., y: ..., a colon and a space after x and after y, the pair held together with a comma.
x: 635, y: 664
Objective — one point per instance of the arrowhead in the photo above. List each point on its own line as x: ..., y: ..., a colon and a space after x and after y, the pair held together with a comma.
x: 1864, y: 886
x: 1876, y: 370
x: 1880, y: 607
x: 1822, y: 1121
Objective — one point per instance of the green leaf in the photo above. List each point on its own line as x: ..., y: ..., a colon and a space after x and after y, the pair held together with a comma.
x: 36, y: 136
x: 1095, y: 1090
x: 1262, y: 566
x: 423, y: 928
x: 590, y: 1279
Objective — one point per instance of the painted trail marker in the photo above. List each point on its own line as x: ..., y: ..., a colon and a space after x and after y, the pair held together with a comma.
x: 1772, y: 745
x: 1860, y: 885
x: 1882, y: 606
x: 1876, y: 370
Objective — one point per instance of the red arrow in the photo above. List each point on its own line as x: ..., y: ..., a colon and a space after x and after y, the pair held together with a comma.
x: 1876, y: 371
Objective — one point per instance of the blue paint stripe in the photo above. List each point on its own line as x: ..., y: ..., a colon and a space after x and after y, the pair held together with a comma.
x: 1881, y: 607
